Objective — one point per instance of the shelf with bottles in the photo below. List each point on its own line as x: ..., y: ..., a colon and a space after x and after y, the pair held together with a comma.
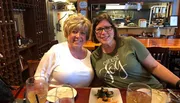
x: 21, y: 6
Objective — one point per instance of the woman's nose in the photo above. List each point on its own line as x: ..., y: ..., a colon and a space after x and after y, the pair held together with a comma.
x: 78, y: 34
x: 103, y: 32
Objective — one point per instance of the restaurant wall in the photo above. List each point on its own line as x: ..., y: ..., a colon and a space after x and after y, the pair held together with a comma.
x: 142, y: 14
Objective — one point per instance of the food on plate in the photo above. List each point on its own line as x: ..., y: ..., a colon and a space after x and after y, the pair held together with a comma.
x: 100, y: 100
x: 105, y: 96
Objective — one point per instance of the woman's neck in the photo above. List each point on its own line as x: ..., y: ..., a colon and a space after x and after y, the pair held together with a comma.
x: 78, y: 53
x: 108, y: 48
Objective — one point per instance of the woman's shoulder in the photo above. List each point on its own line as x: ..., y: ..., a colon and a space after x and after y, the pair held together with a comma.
x: 97, y: 53
x: 127, y: 38
x: 58, y: 47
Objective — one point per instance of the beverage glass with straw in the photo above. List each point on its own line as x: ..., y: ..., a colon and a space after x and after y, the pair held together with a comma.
x: 36, y: 89
x: 138, y: 93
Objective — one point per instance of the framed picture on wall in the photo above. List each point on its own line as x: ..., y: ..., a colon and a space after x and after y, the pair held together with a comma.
x: 174, y: 20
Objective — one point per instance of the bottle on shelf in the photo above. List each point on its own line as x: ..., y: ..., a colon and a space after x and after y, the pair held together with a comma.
x: 158, y: 33
x: 19, y: 39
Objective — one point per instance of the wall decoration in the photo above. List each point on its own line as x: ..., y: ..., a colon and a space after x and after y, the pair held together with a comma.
x: 174, y: 20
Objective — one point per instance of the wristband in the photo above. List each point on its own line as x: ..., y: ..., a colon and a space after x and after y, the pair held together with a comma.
x: 178, y: 85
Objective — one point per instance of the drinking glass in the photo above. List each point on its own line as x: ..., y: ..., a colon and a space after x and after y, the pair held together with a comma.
x: 65, y: 93
x: 138, y: 93
x: 36, y: 89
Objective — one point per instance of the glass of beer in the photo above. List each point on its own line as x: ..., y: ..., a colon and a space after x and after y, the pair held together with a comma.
x: 138, y: 93
x: 36, y: 89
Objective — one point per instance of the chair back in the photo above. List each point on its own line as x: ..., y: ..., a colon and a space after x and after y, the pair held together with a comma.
x: 32, y: 65
x: 160, y: 54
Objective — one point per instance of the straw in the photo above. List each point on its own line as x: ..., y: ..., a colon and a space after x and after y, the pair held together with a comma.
x: 37, y: 99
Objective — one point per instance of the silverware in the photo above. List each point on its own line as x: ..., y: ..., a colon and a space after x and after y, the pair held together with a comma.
x: 176, y: 96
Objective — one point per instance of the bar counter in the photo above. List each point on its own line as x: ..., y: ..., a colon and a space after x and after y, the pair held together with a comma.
x: 172, y: 44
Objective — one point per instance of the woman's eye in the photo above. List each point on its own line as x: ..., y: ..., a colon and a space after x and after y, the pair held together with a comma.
x: 84, y: 33
x: 74, y: 32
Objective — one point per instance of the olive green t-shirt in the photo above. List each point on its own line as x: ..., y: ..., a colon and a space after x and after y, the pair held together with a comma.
x: 123, y: 65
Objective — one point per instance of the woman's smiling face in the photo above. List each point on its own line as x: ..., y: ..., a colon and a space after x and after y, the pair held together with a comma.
x: 104, y: 32
x: 76, y: 38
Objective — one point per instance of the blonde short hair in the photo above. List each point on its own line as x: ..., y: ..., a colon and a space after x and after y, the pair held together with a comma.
x: 77, y: 22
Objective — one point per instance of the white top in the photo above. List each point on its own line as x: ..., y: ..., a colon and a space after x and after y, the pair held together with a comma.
x: 59, y: 66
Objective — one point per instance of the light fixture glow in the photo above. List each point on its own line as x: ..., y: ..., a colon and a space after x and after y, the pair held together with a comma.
x: 114, y: 6
x: 59, y: 0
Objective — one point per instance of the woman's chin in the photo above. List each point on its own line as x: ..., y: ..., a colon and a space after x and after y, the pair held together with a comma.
x: 77, y: 46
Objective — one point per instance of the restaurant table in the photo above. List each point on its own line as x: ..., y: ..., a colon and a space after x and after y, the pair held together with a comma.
x: 91, y: 45
x: 82, y: 94
x: 172, y: 44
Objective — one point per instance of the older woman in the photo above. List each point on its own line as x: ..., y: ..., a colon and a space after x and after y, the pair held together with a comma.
x: 69, y: 62
x: 122, y: 60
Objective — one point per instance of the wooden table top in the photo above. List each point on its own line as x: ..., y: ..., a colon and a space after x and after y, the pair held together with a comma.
x: 172, y: 44
x: 91, y: 45
x: 82, y: 94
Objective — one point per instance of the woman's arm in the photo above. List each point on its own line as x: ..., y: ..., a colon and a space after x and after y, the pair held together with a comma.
x: 46, y: 65
x: 159, y: 70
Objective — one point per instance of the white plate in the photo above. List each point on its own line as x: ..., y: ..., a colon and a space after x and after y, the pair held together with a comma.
x: 116, y: 95
x: 61, y: 92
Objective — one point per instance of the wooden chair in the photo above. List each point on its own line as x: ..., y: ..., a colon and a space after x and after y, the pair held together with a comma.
x: 32, y: 65
x: 160, y: 54
x: 53, y: 42
x: 175, y: 62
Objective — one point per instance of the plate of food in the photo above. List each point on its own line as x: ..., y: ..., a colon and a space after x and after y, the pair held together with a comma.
x: 105, y: 95
x: 61, y: 92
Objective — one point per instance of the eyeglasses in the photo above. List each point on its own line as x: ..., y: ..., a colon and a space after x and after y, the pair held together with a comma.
x: 106, y: 29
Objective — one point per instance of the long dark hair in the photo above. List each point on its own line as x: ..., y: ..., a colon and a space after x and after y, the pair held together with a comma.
x: 97, y: 20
